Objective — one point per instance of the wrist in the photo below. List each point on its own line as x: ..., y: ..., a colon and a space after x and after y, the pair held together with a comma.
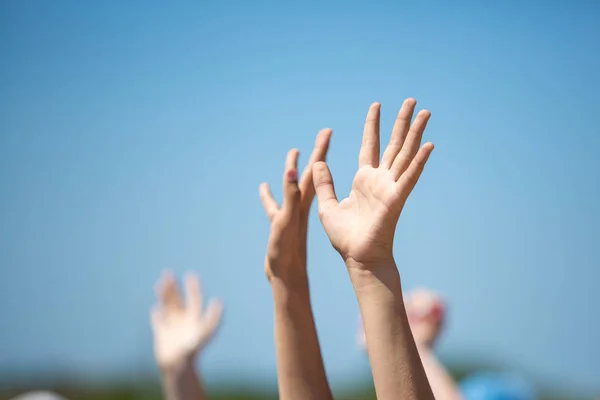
x: 289, y: 289
x: 292, y: 274
x: 177, y: 367
x: 373, y: 275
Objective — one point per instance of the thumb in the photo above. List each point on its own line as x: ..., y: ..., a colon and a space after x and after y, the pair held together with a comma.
x: 324, y: 186
x: 211, y: 320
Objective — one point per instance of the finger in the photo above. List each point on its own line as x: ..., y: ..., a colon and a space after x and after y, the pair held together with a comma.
x: 291, y: 192
x: 170, y: 296
x: 270, y: 205
x: 369, y: 151
x: 160, y: 288
x: 324, y: 186
x: 212, y: 319
x: 399, y: 132
x: 155, y: 316
x: 319, y: 153
x: 411, y: 144
x: 410, y: 177
x: 193, y: 293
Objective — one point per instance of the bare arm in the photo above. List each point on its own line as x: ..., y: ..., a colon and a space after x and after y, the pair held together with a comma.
x: 442, y: 384
x: 426, y: 313
x: 395, y: 362
x: 182, y: 382
x: 301, y: 374
x: 300, y: 370
x: 361, y: 228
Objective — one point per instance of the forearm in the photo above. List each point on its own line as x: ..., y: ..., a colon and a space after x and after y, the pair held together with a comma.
x: 301, y: 374
x: 397, y: 369
x: 442, y: 384
x: 181, y: 382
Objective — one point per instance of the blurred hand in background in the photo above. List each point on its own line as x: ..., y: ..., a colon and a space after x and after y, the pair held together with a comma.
x: 182, y: 328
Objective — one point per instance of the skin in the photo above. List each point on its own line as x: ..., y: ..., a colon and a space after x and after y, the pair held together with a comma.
x: 361, y: 228
x: 426, y: 313
x: 300, y: 370
x: 182, y: 328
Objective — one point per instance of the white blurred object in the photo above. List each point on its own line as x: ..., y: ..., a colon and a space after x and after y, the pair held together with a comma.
x: 39, y: 395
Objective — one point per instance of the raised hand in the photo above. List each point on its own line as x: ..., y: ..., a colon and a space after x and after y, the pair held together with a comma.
x: 181, y: 327
x: 300, y: 370
x: 361, y: 227
x: 286, y: 248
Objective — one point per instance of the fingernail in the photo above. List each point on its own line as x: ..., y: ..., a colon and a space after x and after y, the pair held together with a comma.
x: 292, y: 175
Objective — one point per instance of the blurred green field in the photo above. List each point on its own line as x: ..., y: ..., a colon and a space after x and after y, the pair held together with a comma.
x: 148, y: 388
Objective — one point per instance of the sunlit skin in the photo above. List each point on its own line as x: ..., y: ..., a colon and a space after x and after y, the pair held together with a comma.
x: 426, y: 312
x: 361, y: 228
x: 300, y: 370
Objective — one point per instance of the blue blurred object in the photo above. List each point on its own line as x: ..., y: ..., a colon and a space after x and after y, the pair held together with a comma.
x: 496, y: 386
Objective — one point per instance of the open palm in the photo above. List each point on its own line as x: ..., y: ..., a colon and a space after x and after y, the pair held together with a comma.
x: 361, y: 227
x: 182, y: 329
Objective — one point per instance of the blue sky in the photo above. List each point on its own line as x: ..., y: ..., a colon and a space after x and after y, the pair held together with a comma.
x: 134, y: 135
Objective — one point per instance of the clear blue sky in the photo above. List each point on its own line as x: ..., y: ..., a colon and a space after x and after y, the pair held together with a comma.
x: 134, y: 135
